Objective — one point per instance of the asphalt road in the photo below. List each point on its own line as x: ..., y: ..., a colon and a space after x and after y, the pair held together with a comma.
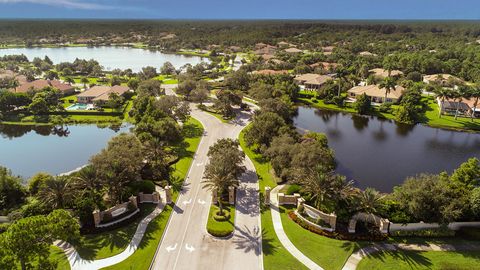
x: 186, y: 244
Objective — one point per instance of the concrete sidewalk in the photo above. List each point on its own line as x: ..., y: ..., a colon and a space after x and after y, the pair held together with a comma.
x: 282, y: 236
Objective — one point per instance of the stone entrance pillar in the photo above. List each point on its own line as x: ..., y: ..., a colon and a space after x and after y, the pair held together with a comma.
x: 214, y: 196
x: 168, y: 194
x: 231, y: 195
x: 267, y: 196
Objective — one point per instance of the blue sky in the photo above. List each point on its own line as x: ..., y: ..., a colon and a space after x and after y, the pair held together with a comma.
x: 242, y: 9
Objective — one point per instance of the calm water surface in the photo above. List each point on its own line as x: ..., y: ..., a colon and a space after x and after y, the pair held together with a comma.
x: 109, y: 57
x: 27, y: 150
x: 381, y: 154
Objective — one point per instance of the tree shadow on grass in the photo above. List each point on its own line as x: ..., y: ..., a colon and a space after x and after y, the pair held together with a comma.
x: 414, y: 259
x: 192, y: 131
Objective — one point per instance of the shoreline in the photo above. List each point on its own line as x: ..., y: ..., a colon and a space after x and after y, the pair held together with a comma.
x: 448, y: 128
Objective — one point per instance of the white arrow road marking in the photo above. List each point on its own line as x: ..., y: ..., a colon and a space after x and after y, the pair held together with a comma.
x: 199, y: 164
x: 188, y: 202
x: 171, y: 248
x: 189, y: 248
x: 201, y: 201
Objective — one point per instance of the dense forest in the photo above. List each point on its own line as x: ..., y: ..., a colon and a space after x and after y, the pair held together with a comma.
x: 419, y: 35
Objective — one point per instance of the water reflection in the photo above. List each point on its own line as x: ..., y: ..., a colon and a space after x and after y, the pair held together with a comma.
x: 27, y: 150
x: 381, y: 153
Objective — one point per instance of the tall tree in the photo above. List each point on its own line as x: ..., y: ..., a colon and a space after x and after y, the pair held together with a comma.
x: 57, y: 192
x: 224, y: 168
x: 119, y: 164
x: 29, y: 239
x: 388, y: 84
x: 442, y: 93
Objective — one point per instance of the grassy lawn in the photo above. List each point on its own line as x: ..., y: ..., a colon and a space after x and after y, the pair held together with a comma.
x: 143, y: 256
x: 262, y: 166
x: 107, y: 244
x: 275, y: 256
x: 221, y: 228
x: 329, y: 253
x: 421, y: 260
x: 447, y: 121
x: 320, y: 104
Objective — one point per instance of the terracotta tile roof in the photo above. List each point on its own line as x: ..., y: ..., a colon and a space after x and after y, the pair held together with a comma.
x: 325, y: 65
x: 442, y: 77
x: 293, y: 50
x: 383, y: 73
x: 102, y: 92
x: 375, y: 91
x: 312, y: 78
x: 40, y: 84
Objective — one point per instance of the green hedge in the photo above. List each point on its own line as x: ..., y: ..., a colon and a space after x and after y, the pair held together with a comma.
x: 220, y: 228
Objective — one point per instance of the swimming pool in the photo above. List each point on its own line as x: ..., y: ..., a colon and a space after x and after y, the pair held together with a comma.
x: 80, y: 106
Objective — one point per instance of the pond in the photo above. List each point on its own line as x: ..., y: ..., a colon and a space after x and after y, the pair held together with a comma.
x: 27, y: 150
x: 109, y: 57
x: 381, y: 153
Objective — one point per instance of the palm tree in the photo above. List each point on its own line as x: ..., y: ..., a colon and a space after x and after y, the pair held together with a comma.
x: 388, y: 84
x: 458, y: 95
x: 370, y: 201
x: 442, y: 93
x: 86, y: 180
x: 341, y: 78
x: 84, y: 80
x: 224, y: 168
x: 475, y: 93
x: 323, y: 186
x: 57, y: 192
x: 69, y: 80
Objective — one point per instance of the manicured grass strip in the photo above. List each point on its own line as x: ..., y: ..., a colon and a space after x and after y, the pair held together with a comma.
x: 275, y: 256
x: 330, y: 254
x: 221, y: 228
x: 262, y: 166
x: 110, y: 243
x: 143, y: 256
x: 192, y: 131
x: 402, y: 259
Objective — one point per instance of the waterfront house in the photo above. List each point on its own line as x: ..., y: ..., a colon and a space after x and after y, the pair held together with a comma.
x: 101, y: 93
x: 442, y: 79
x: 465, y: 107
x: 270, y: 72
x: 312, y: 81
x: 376, y: 94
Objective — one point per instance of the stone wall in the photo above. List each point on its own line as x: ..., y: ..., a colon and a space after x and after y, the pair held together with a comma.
x: 119, y: 209
x: 288, y: 199
x: 422, y: 226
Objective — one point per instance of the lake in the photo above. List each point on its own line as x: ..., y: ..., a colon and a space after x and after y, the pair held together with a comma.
x: 27, y: 150
x: 109, y: 57
x: 380, y: 153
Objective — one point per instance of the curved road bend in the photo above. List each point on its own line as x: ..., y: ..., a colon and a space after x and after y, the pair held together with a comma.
x: 185, y: 243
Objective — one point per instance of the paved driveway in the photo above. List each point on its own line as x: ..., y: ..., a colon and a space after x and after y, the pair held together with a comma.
x: 186, y: 244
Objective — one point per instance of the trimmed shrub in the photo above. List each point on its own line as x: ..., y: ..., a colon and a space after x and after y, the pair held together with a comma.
x: 221, y: 218
x: 433, y: 233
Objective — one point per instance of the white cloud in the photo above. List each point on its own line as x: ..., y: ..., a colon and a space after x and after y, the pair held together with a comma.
x: 74, y: 4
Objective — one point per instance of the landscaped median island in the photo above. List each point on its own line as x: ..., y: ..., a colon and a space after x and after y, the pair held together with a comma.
x: 221, y: 224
